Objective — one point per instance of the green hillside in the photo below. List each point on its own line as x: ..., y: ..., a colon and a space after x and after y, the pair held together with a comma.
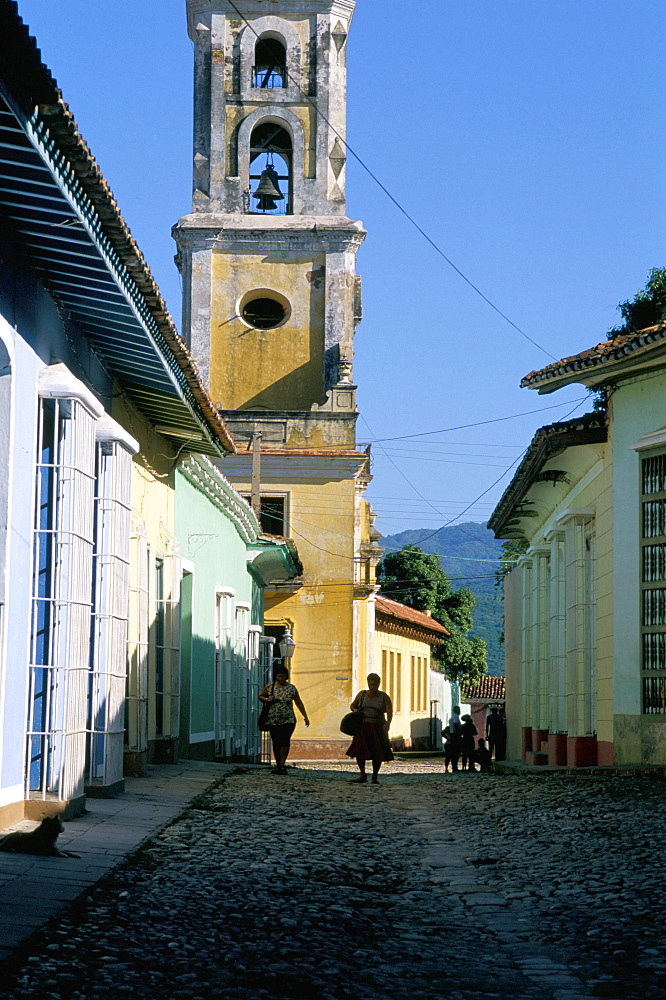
x: 469, y: 554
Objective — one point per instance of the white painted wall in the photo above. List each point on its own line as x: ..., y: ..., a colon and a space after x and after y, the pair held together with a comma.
x: 16, y: 502
x: 639, y: 408
x: 445, y: 693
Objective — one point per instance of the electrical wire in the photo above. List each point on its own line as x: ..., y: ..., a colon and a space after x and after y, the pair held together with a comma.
x: 400, y: 207
x: 478, y: 423
x: 492, y: 485
x: 438, y: 249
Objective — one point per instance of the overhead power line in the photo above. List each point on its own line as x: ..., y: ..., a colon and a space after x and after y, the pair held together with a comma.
x: 478, y: 423
x: 410, y: 218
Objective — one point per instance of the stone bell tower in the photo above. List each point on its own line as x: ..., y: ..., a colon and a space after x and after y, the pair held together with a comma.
x: 271, y: 299
x: 271, y: 303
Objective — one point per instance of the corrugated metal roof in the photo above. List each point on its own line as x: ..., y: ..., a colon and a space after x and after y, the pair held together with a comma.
x: 59, y: 218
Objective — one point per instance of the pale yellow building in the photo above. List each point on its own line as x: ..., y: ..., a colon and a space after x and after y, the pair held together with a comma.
x: 559, y: 598
x: 404, y: 639
x: 271, y: 305
x: 586, y: 604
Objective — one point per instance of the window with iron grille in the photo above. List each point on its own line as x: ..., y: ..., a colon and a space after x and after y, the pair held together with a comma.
x: 653, y: 584
x: 63, y: 531
x: 136, y: 700
x: 166, y: 645
x: 111, y: 579
x: 224, y: 673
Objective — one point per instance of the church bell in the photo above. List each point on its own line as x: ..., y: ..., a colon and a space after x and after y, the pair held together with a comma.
x: 268, y: 190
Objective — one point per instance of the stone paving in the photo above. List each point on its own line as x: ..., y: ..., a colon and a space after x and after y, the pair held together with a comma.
x: 34, y: 889
x: 467, y: 887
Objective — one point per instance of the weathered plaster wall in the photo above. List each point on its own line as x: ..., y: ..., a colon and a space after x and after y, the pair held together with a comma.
x: 637, y: 409
x: 315, y: 41
x: 280, y: 368
x: 321, y: 612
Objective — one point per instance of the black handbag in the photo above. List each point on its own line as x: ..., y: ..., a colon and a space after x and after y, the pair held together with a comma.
x: 351, y: 722
x: 262, y: 721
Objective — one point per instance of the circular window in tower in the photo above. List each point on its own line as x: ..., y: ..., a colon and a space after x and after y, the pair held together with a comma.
x: 264, y: 309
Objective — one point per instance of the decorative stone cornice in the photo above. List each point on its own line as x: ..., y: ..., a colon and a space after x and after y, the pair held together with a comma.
x: 391, y: 626
x: 237, y: 233
x: 57, y: 382
x: 258, y: 8
x: 656, y: 439
x: 277, y: 468
x: 208, y: 479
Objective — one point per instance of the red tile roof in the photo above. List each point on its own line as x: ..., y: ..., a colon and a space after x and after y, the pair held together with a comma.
x: 607, y: 352
x: 489, y: 688
x: 327, y: 452
x: 399, y: 614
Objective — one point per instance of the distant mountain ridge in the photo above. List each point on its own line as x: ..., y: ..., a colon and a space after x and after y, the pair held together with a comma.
x: 469, y: 554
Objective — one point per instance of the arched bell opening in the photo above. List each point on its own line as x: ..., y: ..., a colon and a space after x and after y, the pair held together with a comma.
x: 270, y: 64
x: 271, y: 170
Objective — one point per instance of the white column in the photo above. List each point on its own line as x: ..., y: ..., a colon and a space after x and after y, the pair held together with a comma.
x: 557, y: 684
x: 580, y: 614
x: 527, y: 654
x: 541, y: 626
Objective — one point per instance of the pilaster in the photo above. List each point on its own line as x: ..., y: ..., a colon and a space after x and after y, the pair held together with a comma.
x: 580, y: 634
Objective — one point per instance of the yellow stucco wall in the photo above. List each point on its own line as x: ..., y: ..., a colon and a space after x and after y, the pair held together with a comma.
x: 152, y: 501
x: 321, y: 613
x: 278, y: 369
x: 404, y: 666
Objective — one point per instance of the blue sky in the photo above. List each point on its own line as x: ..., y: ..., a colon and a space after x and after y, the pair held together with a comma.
x: 527, y: 137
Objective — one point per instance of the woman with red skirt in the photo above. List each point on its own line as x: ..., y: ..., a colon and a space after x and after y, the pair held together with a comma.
x: 371, y: 741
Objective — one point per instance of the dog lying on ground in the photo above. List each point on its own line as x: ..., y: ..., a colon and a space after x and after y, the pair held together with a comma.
x: 41, y: 840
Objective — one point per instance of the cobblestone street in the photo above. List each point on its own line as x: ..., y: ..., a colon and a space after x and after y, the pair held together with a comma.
x: 535, y: 887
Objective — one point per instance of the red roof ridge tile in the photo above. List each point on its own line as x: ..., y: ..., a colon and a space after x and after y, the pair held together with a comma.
x: 393, y: 609
x: 492, y: 687
x: 608, y: 350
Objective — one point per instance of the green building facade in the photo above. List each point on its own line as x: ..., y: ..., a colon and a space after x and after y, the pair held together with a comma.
x: 225, y: 658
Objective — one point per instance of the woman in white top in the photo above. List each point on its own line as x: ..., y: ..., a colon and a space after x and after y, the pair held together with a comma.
x: 282, y: 696
x: 371, y: 741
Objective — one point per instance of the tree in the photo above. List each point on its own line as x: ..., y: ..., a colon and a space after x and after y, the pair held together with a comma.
x: 417, y: 579
x: 512, y: 549
x: 648, y: 306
